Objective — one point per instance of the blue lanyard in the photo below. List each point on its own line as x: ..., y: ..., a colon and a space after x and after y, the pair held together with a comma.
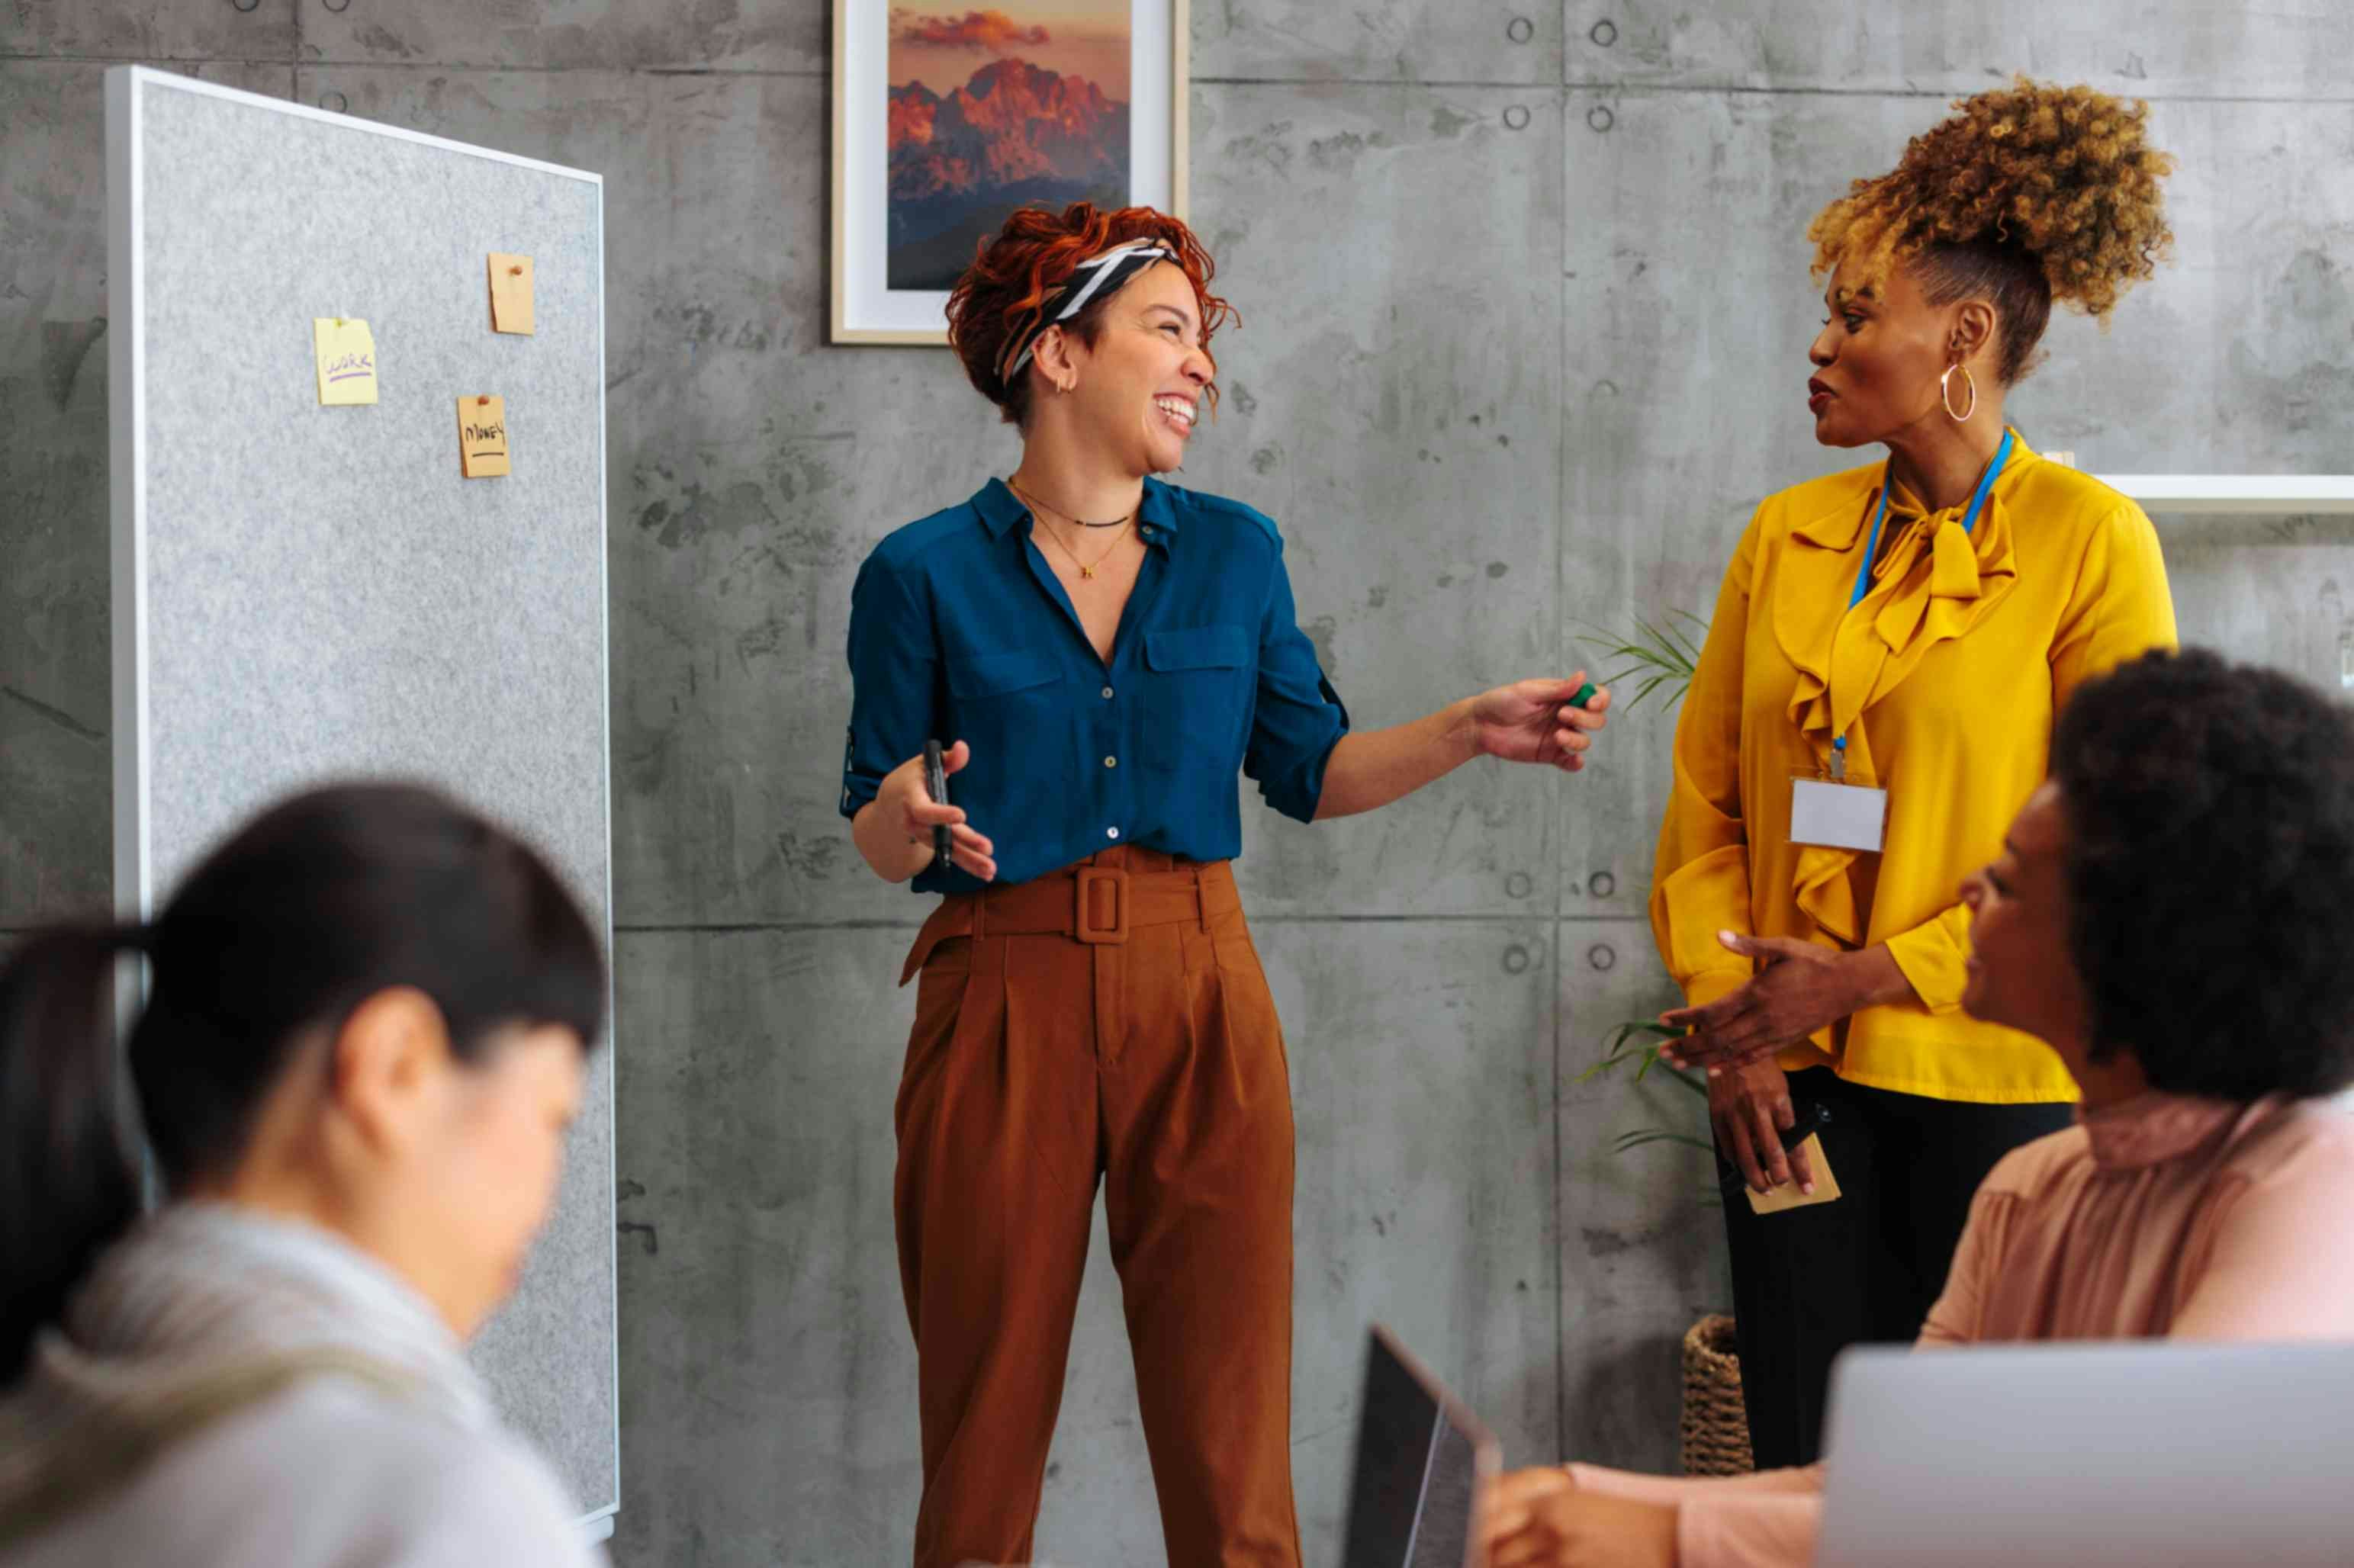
x: 1871, y: 553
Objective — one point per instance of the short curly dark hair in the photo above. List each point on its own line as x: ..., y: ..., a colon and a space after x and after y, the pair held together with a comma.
x: 2211, y: 867
x: 1012, y: 275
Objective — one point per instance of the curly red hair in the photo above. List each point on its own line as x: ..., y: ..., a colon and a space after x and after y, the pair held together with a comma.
x: 1004, y: 292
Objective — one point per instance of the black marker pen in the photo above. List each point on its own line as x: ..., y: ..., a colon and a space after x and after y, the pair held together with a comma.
x: 936, y: 783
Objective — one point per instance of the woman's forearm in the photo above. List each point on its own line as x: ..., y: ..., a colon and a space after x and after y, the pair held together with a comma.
x: 1368, y: 769
x: 886, y: 845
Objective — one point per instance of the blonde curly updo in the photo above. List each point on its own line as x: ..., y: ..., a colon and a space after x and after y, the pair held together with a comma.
x: 2029, y: 195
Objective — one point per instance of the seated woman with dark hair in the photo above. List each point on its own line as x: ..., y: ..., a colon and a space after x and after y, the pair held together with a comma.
x: 2172, y: 913
x: 368, y: 1023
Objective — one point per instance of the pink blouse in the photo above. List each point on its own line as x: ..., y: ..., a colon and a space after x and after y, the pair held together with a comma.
x: 2162, y: 1217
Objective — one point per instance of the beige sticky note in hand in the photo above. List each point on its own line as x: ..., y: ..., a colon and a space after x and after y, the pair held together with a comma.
x: 345, y: 351
x: 1787, y: 1195
x: 483, y: 437
x: 511, y: 293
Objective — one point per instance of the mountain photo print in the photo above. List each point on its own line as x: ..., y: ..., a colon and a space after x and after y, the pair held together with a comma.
x: 1024, y: 105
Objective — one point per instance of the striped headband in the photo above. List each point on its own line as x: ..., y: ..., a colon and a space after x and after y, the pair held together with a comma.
x: 1106, y: 274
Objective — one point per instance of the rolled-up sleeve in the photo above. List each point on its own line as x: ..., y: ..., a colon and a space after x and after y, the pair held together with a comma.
x: 1298, y: 717
x: 892, y: 670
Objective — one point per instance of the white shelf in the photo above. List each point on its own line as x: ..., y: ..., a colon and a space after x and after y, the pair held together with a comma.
x: 2279, y: 493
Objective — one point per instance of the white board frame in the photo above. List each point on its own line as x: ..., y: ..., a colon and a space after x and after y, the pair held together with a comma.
x: 134, y: 890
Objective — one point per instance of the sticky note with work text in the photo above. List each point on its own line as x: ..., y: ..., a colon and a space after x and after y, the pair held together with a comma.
x: 510, y: 309
x: 483, y: 437
x: 345, y: 351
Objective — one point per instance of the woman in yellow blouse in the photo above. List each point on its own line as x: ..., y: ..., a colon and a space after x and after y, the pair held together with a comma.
x: 1873, y: 703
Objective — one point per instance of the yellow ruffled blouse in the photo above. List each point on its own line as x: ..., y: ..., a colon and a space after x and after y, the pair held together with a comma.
x: 1946, y: 680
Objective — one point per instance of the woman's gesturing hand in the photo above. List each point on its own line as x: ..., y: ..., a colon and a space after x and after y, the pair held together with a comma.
x: 1532, y: 721
x: 912, y: 809
x: 1749, y: 1109
x: 1539, y: 1519
x: 1803, y: 987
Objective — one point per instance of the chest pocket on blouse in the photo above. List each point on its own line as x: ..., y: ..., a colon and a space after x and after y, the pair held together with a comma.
x: 1201, y: 687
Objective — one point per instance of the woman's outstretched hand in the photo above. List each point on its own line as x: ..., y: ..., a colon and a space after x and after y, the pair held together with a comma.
x: 912, y: 809
x: 1532, y: 721
x: 1539, y: 1519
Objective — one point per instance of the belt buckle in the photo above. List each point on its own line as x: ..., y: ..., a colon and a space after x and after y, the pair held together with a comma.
x: 1083, y: 926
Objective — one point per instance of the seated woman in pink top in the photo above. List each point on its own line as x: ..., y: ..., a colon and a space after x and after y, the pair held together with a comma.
x: 2173, y: 913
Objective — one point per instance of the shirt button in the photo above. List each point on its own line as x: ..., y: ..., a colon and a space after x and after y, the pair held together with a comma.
x: 1111, y: 762
x: 1107, y: 694
x: 1111, y: 832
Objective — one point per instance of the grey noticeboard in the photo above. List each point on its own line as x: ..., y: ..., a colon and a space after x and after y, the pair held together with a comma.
x: 303, y: 593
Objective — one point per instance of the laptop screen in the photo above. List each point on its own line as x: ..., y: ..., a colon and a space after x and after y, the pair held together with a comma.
x: 1420, y: 1459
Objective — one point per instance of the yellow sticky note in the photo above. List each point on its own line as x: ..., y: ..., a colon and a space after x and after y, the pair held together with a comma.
x: 347, y: 355
x: 1787, y: 1195
x: 483, y: 437
x: 511, y: 293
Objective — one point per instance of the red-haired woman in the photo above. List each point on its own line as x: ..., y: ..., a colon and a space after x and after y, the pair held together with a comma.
x: 1106, y: 651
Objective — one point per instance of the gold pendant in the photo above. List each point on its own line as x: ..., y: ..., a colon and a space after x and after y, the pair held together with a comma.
x: 1087, y: 572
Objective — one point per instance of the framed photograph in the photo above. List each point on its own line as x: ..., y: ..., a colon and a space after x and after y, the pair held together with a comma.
x: 946, y: 118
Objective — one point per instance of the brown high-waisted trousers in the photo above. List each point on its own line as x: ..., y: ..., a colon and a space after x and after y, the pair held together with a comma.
x: 1107, y: 1023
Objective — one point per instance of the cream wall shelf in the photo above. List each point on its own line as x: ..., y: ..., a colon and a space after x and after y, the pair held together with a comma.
x: 2277, y: 493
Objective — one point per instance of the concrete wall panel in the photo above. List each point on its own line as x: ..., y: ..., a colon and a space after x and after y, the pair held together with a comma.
x: 1642, y: 1244
x: 574, y: 35
x: 1388, y: 402
x: 2169, y: 46
x: 153, y: 32
x: 1311, y: 40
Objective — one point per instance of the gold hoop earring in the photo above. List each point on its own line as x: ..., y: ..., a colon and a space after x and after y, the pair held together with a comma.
x: 1945, y: 393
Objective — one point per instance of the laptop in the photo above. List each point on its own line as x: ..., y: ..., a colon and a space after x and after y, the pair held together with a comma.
x: 2154, y: 1453
x: 1424, y: 1462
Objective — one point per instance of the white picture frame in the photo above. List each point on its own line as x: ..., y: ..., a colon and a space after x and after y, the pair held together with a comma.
x: 865, y: 308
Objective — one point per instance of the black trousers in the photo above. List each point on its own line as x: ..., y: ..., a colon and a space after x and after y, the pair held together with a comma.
x: 1807, y: 1283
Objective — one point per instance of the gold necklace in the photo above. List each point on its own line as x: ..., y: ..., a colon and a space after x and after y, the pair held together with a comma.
x: 1087, y: 571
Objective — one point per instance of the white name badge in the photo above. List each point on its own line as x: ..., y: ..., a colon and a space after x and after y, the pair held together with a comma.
x: 1838, y: 816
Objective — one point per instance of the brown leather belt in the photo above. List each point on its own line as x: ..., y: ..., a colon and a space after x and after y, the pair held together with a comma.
x: 1096, y: 905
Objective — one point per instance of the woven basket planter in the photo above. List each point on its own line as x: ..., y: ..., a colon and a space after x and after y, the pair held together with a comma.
x: 1717, y: 1422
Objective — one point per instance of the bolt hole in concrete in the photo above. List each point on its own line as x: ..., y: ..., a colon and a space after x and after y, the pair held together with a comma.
x: 1602, y: 956
x: 333, y: 102
x: 336, y: 5
x: 1517, y: 961
x: 245, y: 5
x: 1519, y: 884
x: 1600, y: 118
x: 1603, y: 885
x: 1516, y: 118
x: 1521, y: 30
x: 1605, y: 33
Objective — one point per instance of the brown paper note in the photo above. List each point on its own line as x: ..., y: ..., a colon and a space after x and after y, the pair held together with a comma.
x: 1787, y: 1196
x: 511, y: 293
x: 483, y: 437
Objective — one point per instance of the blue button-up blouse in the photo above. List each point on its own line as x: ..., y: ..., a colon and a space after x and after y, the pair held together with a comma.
x: 960, y: 630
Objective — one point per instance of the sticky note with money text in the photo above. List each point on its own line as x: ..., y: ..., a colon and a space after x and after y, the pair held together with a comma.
x: 1788, y: 1196
x: 483, y: 437
x: 345, y: 351
x: 511, y: 308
